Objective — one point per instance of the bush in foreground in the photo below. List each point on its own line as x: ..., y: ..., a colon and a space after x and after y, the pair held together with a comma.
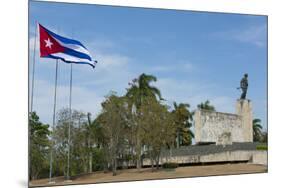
x: 170, y: 165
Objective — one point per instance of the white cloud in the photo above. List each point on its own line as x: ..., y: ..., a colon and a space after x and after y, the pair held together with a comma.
x: 109, y: 62
x: 178, y: 66
x: 82, y: 99
x: 111, y: 73
x: 223, y: 103
x: 255, y: 34
x: 193, y: 93
x: 101, y: 44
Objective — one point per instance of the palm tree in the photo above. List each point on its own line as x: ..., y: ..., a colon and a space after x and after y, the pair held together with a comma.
x: 139, y: 91
x: 183, y: 118
x: 257, y: 130
x: 206, y: 106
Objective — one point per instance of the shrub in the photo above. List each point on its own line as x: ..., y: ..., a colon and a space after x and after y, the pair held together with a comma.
x: 262, y: 147
x: 170, y: 165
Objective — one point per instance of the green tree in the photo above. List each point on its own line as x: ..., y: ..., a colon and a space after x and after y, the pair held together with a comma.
x: 60, y: 137
x: 158, y: 129
x: 186, y: 136
x: 79, y: 149
x: 113, y: 121
x: 80, y: 143
x: 264, y: 137
x: 139, y: 91
x: 97, y: 142
x: 257, y: 130
x: 183, y: 118
x: 39, y: 147
x: 206, y: 106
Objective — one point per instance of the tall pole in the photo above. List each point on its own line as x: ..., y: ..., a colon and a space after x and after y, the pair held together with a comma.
x: 54, y: 122
x: 33, y: 69
x: 70, y: 121
x: 31, y: 102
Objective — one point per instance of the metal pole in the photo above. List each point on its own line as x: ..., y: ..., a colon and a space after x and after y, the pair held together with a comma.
x: 31, y: 104
x: 33, y: 71
x: 70, y: 122
x: 54, y: 122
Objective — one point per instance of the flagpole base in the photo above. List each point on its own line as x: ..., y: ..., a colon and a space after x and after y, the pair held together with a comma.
x: 67, y: 181
x: 51, y: 182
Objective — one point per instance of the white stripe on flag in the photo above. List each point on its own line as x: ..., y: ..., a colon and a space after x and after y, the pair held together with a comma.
x: 75, y: 47
x: 67, y: 57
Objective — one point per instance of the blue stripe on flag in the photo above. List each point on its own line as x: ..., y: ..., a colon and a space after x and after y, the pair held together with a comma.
x: 76, y: 54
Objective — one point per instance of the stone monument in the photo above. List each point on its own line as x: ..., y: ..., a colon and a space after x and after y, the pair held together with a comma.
x: 244, y: 109
x: 224, y: 128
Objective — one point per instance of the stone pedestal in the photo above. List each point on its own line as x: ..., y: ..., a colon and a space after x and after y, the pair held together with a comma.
x: 197, y: 126
x: 244, y: 109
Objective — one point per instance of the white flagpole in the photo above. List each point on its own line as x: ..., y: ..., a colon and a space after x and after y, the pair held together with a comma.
x: 70, y: 122
x: 53, y: 126
x: 31, y: 102
x: 33, y: 69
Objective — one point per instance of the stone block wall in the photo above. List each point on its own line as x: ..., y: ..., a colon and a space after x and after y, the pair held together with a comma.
x: 224, y: 128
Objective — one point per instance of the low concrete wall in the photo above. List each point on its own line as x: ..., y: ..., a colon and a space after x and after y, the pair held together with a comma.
x: 259, y: 157
x: 254, y: 157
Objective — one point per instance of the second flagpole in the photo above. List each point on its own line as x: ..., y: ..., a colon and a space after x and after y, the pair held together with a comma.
x: 53, y: 126
x: 70, y: 122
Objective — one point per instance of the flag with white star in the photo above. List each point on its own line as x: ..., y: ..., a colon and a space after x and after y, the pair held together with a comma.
x: 55, y: 46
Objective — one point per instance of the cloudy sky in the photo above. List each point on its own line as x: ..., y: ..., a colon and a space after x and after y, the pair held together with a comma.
x: 195, y: 55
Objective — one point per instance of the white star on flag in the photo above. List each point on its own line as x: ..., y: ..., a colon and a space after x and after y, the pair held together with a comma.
x: 48, y: 43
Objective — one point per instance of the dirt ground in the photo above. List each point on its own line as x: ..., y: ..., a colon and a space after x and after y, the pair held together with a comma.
x: 147, y: 174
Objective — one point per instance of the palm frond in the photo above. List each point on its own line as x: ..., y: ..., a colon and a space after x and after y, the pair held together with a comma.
x: 156, y: 91
x: 255, y: 121
x: 257, y: 126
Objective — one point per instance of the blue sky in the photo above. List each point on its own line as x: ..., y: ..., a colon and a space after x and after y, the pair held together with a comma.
x: 195, y: 55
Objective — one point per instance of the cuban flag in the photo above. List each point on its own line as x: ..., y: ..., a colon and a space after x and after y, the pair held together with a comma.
x: 68, y: 50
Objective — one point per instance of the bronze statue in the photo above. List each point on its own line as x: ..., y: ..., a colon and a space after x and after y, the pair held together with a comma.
x: 244, y: 86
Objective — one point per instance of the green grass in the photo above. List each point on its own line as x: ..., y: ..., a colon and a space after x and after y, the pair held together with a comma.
x: 262, y: 147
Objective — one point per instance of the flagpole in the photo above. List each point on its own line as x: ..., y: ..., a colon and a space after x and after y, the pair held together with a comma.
x: 33, y: 69
x: 54, y: 122
x: 70, y: 121
x: 31, y: 102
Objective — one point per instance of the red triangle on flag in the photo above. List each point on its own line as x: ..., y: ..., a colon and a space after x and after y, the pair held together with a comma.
x: 48, y: 45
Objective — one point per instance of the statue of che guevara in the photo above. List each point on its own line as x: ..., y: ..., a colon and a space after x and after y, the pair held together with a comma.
x: 244, y: 86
